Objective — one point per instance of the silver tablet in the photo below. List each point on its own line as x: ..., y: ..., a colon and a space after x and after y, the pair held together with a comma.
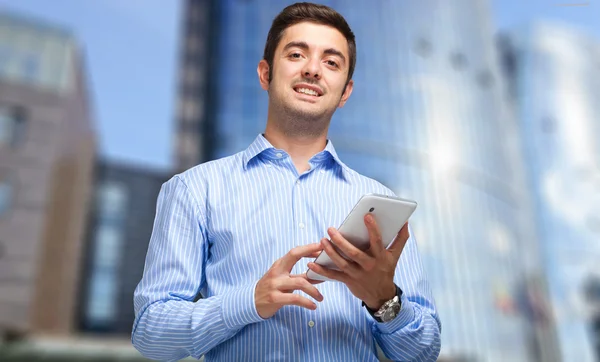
x: 390, y: 213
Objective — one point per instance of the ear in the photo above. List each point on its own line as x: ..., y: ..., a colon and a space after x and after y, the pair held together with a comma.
x: 346, y: 93
x: 263, y: 74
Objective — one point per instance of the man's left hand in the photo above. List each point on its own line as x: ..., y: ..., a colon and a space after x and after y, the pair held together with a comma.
x: 368, y: 274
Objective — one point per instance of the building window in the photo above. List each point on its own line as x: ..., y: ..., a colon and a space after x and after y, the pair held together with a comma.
x: 484, y: 78
x: 12, y: 126
x: 192, y: 75
x: 112, y: 198
x: 193, y: 43
x: 31, y: 68
x: 6, y: 196
x: 101, y: 309
x: 458, y: 60
x: 423, y: 47
x: 189, y: 109
x: 102, y: 302
x: 4, y: 58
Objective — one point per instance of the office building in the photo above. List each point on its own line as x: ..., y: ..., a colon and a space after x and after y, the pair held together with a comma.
x: 120, y: 226
x: 555, y: 81
x: 428, y: 118
x: 193, y: 138
x: 592, y: 299
x: 47, y: 146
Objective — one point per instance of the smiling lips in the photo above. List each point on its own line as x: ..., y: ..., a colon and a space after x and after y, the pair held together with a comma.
x: 308, y: 90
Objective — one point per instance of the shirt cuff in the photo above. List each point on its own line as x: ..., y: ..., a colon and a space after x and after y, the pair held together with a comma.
x: 238, y: 307
x: 406, y: 315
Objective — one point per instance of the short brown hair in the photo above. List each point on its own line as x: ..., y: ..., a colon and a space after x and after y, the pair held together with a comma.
x: 309, y: 12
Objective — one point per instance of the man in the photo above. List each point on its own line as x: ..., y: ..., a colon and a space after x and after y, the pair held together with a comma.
x: 242, y: 232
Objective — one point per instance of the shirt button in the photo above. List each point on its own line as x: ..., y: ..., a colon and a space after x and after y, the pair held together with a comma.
x: 322, y: 171
x: 268, y: 165
x: 279, y: 155
x: 301, y: 225
x: 311, y: 324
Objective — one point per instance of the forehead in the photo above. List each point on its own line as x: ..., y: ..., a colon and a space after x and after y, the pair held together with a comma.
x: 317, y: 36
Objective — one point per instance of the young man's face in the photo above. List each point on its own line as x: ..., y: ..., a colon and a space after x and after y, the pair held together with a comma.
x: 310, y: 69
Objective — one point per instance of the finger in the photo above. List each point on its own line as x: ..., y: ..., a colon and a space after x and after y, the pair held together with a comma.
x: 314, y: 255
x: 294, y: 299
x: 291, y: 284
x: 375, y: 240
x: 287, y: 262
x: 303, y: 275
x: 399, y: 242
x: 328, y: 273
x: 342, y: 264
x: 349, y: 250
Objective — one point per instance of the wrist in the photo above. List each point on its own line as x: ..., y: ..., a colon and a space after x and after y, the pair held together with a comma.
x: 386, y: 293
x: 238, y: 307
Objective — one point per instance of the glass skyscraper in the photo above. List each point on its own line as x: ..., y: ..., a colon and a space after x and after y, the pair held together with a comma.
x: 556, y: 82
x: 429, y: 119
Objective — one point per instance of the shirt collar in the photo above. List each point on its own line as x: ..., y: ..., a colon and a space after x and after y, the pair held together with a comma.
x: 262, y: 146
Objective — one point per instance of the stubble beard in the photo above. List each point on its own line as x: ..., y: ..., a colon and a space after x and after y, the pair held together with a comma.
x: 296, y: 122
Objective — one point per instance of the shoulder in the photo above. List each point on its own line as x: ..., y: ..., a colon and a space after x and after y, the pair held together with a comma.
x: 368, y: 184
x: 198, y: 179
x: 199, y: 176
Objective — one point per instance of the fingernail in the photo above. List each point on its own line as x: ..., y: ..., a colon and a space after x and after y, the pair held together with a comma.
x: 369, y: 218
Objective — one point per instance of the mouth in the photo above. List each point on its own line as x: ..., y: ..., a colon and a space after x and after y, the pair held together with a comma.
x: 308, y: 90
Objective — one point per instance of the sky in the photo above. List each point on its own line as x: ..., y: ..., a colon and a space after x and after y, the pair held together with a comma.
x: 131, y: 49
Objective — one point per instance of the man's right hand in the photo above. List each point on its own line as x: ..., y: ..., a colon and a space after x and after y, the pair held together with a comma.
x: 275, y: 288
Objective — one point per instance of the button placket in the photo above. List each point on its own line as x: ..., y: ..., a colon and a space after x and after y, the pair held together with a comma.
x: 298, y: 226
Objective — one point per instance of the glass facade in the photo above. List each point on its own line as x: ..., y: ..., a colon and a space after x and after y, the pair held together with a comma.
x: 119, y: 230
x: 12, y: 126
x: 194, y: 81
x: 35, y: 54
x: 6, y: 196
x: 108, y: 247
x: 428, y: 118
x: 557, y: 82
x: 7, y: 125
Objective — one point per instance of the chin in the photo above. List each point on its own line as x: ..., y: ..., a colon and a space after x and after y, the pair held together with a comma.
x: 308, y: 113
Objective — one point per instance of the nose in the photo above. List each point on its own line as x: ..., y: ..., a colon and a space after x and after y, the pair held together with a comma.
x: 312, y: 69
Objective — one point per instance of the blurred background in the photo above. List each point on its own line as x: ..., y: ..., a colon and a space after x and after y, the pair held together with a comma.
x: 485, y: 112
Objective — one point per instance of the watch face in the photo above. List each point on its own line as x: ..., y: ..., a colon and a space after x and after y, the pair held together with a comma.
x: 391, y: 312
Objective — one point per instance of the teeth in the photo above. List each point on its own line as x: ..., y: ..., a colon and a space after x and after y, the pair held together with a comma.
x: 307, y: 91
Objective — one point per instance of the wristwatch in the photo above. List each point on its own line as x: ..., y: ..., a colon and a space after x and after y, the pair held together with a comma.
x: 389, y: 310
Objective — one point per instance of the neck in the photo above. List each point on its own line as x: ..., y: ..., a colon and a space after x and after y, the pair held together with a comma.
x: 300, y: 147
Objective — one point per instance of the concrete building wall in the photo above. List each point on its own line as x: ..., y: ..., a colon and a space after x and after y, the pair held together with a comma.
x: 47, y: 163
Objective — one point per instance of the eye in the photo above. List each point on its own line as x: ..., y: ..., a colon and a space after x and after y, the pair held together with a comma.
x: 332, y: 63
x: 295, y: 55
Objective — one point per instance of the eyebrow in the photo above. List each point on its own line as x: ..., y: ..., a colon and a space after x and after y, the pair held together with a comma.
x: 304, y: 46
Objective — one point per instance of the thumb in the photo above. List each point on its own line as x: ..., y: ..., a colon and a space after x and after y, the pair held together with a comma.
x: 399, y: 242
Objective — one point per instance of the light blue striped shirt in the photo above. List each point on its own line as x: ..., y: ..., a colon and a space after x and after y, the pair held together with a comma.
x: 221, y: 225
